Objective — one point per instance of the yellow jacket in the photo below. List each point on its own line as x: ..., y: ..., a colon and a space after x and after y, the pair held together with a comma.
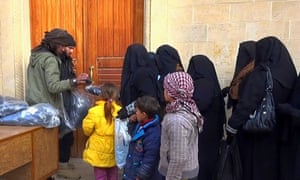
x: 99, y: 149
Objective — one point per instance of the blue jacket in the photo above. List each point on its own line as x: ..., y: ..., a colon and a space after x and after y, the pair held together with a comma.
x: 143, y: 155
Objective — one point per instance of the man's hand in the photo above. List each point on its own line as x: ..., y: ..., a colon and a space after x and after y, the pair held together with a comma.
x: 82, y: 78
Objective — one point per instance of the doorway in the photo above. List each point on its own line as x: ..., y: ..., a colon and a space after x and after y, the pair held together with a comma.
x: 103, y: 29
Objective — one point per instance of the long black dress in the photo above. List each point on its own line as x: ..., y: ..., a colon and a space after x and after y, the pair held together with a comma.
x: 246, y: 54
x: 66, y: 142
x: 134, y: 59
x: 210, y: 102
x: 290, y: 135
x: 142, y: 79
x: 260, y: 152
x: 168, y: 61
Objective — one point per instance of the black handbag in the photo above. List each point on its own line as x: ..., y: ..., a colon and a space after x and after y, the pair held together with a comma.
x: 263, y: 119
x: 229, y: 166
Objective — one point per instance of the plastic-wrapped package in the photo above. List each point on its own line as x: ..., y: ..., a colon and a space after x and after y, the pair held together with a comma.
x: 42, y: 114
x: 11, y: 105
x: 81, y: 102
x: 122, y: 141
x: 93, y: 89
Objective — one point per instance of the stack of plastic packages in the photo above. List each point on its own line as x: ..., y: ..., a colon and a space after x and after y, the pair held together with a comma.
x: 14, y: 111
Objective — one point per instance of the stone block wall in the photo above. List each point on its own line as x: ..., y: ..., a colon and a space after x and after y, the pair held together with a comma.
x: 14, y: 46
x: 216, y: 27
x: 210, y: 27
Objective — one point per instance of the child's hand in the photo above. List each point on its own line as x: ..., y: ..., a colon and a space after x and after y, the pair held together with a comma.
x: 132, y: 118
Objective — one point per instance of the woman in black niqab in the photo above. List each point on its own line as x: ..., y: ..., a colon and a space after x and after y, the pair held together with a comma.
x: 169, y: 60
x: 272, y: 52
x: 243, y: 67
x: 260, y: 152
x: 210, y: 102
x: 134, y: 59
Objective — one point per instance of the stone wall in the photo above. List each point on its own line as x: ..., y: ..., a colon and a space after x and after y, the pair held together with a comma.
x: 216, y: 27
x: 210, y: 27
x: 14, y: 46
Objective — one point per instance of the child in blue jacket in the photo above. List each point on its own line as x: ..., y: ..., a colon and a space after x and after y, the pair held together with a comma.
x: 143, y: 156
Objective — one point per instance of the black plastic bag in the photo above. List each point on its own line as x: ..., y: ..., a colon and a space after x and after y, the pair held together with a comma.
x: 81, y: 102
x: 229, y: 166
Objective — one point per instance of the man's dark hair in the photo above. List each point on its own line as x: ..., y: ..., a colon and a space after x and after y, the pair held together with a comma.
x: 54, y: 38
x: 148, y: 104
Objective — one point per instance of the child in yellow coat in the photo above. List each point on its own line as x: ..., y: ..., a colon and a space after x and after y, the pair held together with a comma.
x: 99, y: 125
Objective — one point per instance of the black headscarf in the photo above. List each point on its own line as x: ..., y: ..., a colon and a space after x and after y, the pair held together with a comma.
x: 53, y: 39
x: 134, y: 59
x: 272, y: 52
x: 152, y: 69
x: 201, y: 67
x: 168, y: 59
x: 151, y: 61
x: 243, y: 67
x: 203, y: 72
x: 210, y: 102
x: 246, y: 53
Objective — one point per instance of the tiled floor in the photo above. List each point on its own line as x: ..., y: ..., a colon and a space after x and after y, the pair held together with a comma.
x: 84, y: 169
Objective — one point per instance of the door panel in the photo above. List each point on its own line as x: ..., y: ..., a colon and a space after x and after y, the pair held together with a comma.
x: 67, y: 14
x: 115, y: 23
x: 103, y: 29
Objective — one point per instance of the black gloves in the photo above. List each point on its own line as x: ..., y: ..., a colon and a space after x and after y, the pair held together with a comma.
x: 225, y: 91
x: 122, y: 114
x: 127, y: 111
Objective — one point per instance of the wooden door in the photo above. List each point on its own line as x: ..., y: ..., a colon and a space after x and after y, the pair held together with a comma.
x: 118, y: 23
x: 66, y: 14
x: 102, y: 28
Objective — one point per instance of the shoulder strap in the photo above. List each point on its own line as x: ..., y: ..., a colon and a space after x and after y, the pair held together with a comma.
x: 269, y: 83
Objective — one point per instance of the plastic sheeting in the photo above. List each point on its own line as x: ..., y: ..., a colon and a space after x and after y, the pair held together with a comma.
x: 11, y: 105
x: 122, y: 141
x: 81, y: 102
x: 42, y: 114
x: 93, y: 89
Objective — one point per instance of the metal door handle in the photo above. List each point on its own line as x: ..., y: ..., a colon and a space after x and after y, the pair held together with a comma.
x: 91, y: 68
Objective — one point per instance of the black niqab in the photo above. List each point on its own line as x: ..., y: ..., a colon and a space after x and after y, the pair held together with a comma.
x: 246, y: 53
x: 272, y: 52
x: 134, y: 59
x: 210, y: 102
x: 168, y: 59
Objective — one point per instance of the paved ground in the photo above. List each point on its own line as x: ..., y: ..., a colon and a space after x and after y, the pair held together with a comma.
x: 84, y: 169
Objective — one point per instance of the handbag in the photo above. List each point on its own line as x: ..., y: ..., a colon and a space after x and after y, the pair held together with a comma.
x: 229, y: 165
x: 263, y: 119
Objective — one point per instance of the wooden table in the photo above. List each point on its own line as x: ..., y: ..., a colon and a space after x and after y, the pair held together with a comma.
x: 28, y: 152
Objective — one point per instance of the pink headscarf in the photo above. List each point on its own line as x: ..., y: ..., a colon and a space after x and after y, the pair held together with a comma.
x: 180, y: 86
